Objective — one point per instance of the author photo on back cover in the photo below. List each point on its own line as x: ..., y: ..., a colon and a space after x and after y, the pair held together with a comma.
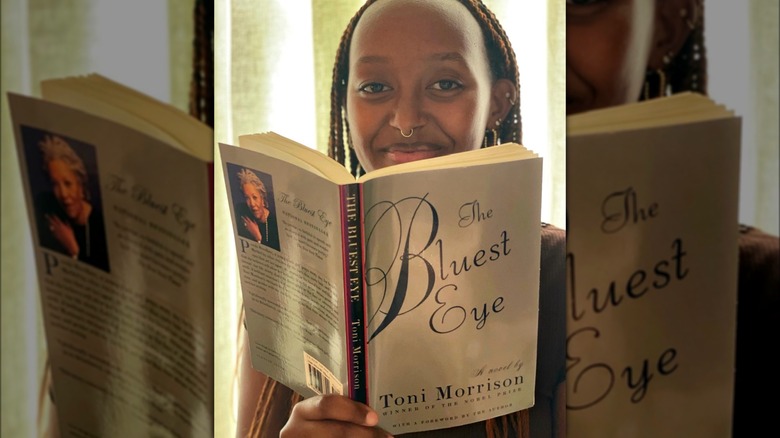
x: 254, y: 205
x: 66, y: 195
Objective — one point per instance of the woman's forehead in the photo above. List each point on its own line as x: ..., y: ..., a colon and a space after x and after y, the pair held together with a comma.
x: 417, y: 28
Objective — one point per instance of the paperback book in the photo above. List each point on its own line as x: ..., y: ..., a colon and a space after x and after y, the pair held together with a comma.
x: 414, y: 289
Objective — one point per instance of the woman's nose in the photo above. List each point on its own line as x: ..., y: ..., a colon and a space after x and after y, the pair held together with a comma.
x: 407, y: 112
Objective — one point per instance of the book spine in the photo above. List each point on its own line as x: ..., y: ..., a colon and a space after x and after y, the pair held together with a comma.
x: 354, y: 287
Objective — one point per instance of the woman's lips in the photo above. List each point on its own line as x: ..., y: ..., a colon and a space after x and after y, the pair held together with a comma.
x: 404, y: 153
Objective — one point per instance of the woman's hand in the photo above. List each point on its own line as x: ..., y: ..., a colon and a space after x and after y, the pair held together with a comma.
x: 63, y: 232
x: 332, y: 416
x: 253, y: 228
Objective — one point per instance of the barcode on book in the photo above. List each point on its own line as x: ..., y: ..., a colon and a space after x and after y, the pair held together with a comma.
x: 319, y: 378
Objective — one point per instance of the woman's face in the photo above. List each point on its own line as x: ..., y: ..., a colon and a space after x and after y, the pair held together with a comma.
x: 608, y: 49
x: 254, y: 200
x: 418, y: 66
x: 67, y: 188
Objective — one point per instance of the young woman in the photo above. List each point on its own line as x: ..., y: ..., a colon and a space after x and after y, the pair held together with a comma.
x: 621, y: 51
x: 415, y: 80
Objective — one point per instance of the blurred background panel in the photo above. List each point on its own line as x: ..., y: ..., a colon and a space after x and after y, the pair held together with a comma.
x: 743, y: 54
x: 145, y: 44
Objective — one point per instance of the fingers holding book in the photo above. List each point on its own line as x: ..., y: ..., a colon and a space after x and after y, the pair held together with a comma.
x: 332, y: 416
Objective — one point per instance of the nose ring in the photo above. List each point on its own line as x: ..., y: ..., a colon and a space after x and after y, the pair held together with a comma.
x: 411, y: 133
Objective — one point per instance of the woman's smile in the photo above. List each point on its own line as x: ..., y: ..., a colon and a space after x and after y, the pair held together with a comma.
x: 406, y: 152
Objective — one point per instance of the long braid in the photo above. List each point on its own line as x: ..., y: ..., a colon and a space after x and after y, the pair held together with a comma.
x: 202, y: 81
x: 503, y: 64
x: 687, y: 70
x: 271, y: 393
x: 338, y: 98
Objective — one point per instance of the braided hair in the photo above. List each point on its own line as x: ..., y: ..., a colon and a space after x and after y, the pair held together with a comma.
x: 503, y: 65
x: 687, y: 69
x: 202, y: 81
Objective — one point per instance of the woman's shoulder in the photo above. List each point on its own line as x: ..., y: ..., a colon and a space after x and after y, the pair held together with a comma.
x: 753, y: 240
x: 553, y: 240
x: 550, y: 231
x: 759, y: 260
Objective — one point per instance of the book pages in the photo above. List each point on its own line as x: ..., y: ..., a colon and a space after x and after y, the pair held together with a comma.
x: 291, y: 277
x: 652, y: 277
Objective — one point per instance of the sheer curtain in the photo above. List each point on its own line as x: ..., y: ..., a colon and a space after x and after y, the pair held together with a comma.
x: 273, y: 63
x: 146, y: 44
x: 742, y: 55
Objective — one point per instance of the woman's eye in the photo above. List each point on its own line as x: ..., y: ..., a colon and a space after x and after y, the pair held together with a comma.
x: 373, y: 88
x: 446, y: 85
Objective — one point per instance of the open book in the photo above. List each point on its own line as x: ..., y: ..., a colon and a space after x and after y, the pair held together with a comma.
x: 414, y: 289
x: 652, y: 191
x: 118, y: 189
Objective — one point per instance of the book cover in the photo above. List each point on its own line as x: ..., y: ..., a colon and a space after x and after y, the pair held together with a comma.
x: 450, y: 279
x: 121, y: 227
x: 652, y: 272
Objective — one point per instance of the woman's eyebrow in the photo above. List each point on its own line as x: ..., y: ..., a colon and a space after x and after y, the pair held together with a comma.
x: 372, y: 59
x: 448, y: 56
x: 443, y: 56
